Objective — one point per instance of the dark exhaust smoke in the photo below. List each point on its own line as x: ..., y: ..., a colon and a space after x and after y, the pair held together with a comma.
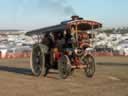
x: 59, y: 7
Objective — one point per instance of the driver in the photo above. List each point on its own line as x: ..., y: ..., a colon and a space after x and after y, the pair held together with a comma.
x: 68, y: 40
x: 48, y: 41
x: 84, y: 41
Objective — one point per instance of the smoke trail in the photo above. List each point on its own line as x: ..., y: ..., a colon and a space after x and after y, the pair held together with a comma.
x: 60, y: 7
x: 32, y: 10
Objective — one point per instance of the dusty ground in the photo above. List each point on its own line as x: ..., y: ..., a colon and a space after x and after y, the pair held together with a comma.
x: 16, y: 80
x: 112, y: 60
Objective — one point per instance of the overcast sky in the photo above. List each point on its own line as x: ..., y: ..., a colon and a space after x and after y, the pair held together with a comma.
x: 31, y: 14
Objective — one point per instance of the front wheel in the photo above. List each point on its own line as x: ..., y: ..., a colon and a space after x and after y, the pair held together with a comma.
x: 90, y: 68
x: 64, y: 67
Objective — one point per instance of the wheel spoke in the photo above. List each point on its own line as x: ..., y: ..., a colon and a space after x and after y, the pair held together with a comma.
x: 36, y: 64
x: 63, y: 67
x: 90, y: 66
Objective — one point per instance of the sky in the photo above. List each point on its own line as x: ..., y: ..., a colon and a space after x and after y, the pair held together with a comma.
x: 32, y: 14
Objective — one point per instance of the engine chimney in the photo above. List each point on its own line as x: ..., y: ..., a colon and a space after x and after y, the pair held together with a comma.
x: 75, y: 17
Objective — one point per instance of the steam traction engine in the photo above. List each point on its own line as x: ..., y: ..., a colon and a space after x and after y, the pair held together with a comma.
x: 63, y: 47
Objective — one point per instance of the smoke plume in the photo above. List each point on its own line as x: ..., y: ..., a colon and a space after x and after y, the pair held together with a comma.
x: 59, y: 7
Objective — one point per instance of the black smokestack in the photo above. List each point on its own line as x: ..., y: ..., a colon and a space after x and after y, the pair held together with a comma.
x: 75, y: 17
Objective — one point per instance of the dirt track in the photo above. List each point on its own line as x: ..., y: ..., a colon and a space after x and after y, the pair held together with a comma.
x: 16, y: 80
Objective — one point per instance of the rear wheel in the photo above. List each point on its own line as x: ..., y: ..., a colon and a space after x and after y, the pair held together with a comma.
x: 37, y: 61
x: 64, y: 67
x: 90, y: 62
